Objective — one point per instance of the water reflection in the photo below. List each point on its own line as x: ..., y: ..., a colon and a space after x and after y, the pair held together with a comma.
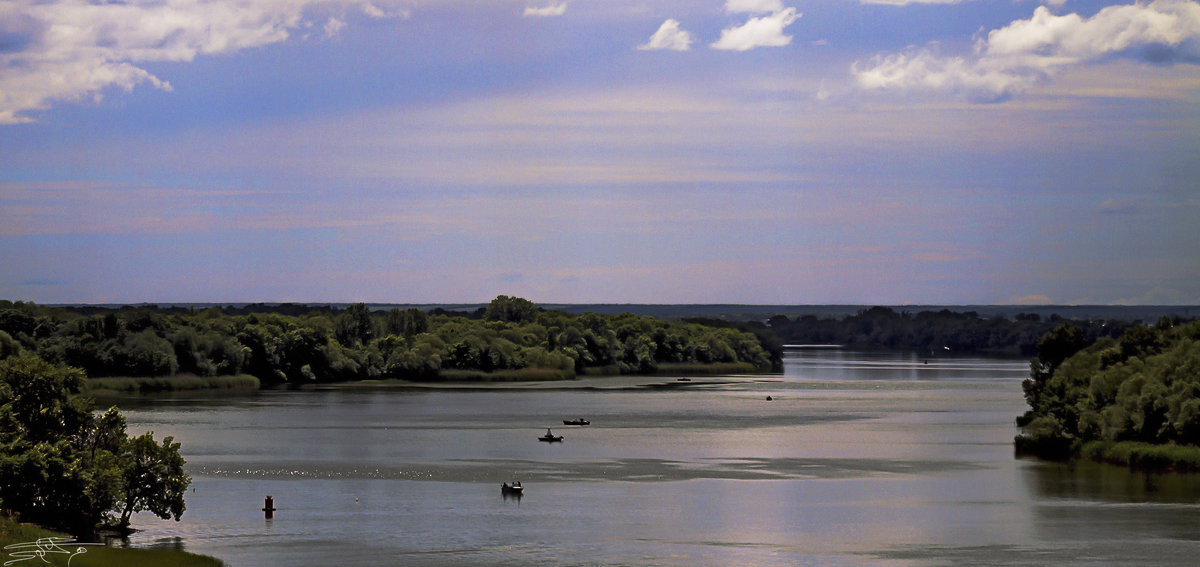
x: 1097, y: 482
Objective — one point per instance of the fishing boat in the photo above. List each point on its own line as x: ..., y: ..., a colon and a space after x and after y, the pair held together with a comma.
x: 514, y: 488
x: 550, y: 437
x: 579, y: 421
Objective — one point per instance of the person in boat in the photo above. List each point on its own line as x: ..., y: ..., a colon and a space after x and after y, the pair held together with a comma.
x: 548, y: 434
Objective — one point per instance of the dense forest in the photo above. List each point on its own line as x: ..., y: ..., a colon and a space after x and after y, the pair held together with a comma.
x: 883, y: 327
x: 1135, y: 399
x: 512, y: 338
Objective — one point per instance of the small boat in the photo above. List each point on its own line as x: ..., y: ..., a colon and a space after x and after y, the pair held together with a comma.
x: 514, y: 488
x: 579, y: 421
x: 551, y: 437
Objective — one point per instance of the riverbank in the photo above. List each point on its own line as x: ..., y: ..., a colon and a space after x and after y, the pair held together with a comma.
x: 178, y: 383
x: 1144, y: 456
x: 27, y: 543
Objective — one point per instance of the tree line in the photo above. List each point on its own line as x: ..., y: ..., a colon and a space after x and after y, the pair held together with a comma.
x: 883, y: 327
x: 354, y: 343
x: 1133, y: 399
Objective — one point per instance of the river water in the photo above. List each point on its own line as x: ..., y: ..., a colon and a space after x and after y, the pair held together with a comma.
x: 857, y: 459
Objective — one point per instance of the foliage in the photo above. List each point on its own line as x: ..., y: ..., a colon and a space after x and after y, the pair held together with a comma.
x: 510, y: 339
x: 1143, y: 388
x: 63, y: 466
x: 936, y: 331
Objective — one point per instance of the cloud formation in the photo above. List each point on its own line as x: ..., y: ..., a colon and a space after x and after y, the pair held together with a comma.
x: 753, y: 6
x: 764, y: 31
x: 64, y: 50
x: 1012, y: 59
x: 670, y: 36
x: 546, y: 11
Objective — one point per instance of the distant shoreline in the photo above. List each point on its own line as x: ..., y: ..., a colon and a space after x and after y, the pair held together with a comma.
x: 728, y: 311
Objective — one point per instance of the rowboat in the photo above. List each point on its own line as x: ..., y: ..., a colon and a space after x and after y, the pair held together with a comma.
x: 514, y: 488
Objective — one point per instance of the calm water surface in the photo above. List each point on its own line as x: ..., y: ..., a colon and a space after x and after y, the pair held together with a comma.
x: 858, y: 459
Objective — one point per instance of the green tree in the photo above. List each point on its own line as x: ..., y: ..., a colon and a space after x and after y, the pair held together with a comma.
x: 354, y: 326
x: 64, y: 467
x: 153, y: 478
x: 1052, y: 349
x: 510, y: 310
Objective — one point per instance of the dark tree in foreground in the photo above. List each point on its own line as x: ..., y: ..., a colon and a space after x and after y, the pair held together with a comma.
x: 64, y: 467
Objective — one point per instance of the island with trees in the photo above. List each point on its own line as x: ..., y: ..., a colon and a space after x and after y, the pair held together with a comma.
x: 1132, y: 400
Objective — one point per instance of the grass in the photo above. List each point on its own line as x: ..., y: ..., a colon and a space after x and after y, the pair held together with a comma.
x: 182, y: 382
x: 13, y: 533
x: 1147, y: 456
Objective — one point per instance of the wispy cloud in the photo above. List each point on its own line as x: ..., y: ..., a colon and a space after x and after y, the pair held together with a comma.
x: 1012, y: 59
x: 670, y: 36
x: 546, y: 11
x: 63, y: 50
x: 764, y: 31
x: 753, y: 6
x: 1122, y: 206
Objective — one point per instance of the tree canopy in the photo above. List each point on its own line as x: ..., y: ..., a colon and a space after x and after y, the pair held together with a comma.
x: 883, y: 327
x: 1142, y: 387
x: 66, y: 467
x: 330, y: 345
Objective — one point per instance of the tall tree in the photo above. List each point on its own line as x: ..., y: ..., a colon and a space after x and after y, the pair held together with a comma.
x: 66, y: 468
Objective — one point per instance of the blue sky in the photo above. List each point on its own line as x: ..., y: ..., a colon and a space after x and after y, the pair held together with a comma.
x: 727, y: 151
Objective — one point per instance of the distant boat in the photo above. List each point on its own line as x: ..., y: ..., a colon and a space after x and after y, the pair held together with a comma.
x: 579, y: 421
x: 550, y: 437
x: 514, y: 488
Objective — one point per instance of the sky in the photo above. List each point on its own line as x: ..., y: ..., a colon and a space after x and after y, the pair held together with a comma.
x: 600, y: 151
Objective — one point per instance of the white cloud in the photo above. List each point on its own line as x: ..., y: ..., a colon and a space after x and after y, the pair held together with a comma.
x: 378, y: 13
x: 65, y: 50
x: 545, y: 11
x: 753, y: 6
x: 765, y: 31
x: 1012, y: 59
x: 334, y: 26
x: 669, y: 36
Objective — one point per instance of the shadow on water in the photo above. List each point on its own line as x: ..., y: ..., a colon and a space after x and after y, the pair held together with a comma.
x: 1097, y: 482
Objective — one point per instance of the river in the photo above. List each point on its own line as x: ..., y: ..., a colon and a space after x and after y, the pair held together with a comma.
x: 857, y: 458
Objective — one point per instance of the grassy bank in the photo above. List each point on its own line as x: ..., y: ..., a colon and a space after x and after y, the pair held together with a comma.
x: 1145, y: 456
x: 14, y: 534
x: 171, y: 384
